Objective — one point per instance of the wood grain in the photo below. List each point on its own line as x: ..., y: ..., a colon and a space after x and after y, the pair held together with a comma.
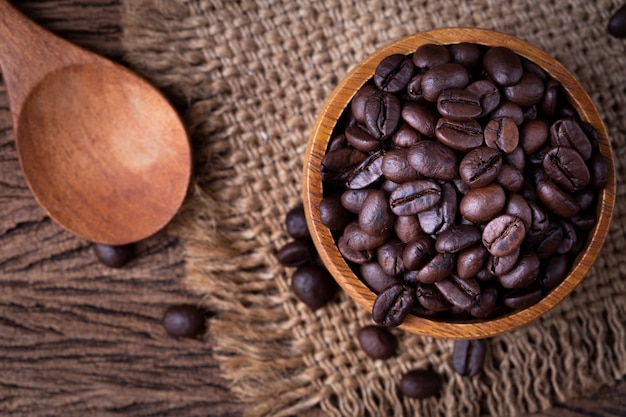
x: 323, y: 130
x: 77, y: 338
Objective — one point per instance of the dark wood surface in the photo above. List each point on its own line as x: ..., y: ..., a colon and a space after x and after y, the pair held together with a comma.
x: 78, y: 338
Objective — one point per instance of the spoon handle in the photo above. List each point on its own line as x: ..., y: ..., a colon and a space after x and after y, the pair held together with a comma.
x: 28, y: 53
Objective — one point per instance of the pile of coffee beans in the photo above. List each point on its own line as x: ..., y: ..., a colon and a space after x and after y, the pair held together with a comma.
x: 310, y: 282
x: 460, y: 183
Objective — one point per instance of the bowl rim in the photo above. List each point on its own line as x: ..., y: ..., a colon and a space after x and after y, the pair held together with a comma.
x: 324, y: 125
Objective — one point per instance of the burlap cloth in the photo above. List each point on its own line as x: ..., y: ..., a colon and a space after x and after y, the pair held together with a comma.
x: 249, y: 77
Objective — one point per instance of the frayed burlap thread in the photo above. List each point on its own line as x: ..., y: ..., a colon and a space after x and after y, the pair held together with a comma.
x: 250, y: 77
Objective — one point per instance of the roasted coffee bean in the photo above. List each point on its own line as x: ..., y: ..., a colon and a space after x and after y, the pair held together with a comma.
x: 554, y: 272
x: 367, y: 172
x: 517, y: 159
x: 359, y: 240
x: 510, y: 178
x: 540, y: 221
x: 184, y: 321
x: 480, y: 205
x: 486, y: 304
x: 599, y: 171
x: 442, y: 77
x: 376, y: 218
x: 431, y: 299
x: 523, y: 274
x: 517, y: 205
x: 556, y: 200
x: 458, y: 104
x: 337, y: 142
x: 480, y: 166
x: 377, y: 342
x: 405, y: 137
x: 617, y: 23
x: 550, y: 98
x: 375, y: 278
x: 461, y: 135
x: 408, y: 228
x: 295, y: 221
x: 502, y: 134
x: 362, y: 140
x: 419, y: 251
x: 548, y: 243
x: 509, y: 109
x: 337, y: 164
x: 468, y: 356
x: 420, y: 383
x: 359, y: 102
x: 568, y: 132
x: 414, y: 196
x: 569, y: 237
x: 420, y: 117
x: 414, y: 88
x: 466, y: 54
x: 434, y: 160
x: 443, y: 214
x: 353, y: 200
x: 487, y: 93
x: 360, y: 256
x: 500, y: 265
x: 566, y: 168
x: 396, y: 167
x: 523, y: 298
x: 389, y: 257
x: 382, y: 114
x: 437, y: 268
x: 583, y: 221
x: 394, y: 73
x: 503, y: 66
x: 470, y: 261
x: 533, y: 135
x: 332, y: 213
x: 393, y: 305
x: 528, y: 91
x: 430, y: 55
x: 461, y: 293
x: 313, y: 285
x: 503, y: 235
x: 114, y: 256
x: 297, y: 252
x: 457, y: 237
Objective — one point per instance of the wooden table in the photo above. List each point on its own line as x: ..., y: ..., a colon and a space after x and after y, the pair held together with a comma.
x: 78, y: 338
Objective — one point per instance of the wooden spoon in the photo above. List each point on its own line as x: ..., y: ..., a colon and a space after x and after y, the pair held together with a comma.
x: 102, y: 151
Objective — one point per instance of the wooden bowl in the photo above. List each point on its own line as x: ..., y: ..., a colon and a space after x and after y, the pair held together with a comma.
x: 313, y: 192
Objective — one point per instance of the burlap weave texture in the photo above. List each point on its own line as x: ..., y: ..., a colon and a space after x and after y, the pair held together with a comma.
x: 250, y: 77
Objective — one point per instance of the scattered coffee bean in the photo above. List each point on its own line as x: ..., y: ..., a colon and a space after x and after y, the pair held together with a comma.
x: 468, y: 356
x: 297, y: 252
x: 617, y: 23
x: 313, y: 285
x: 184, y: 321
x: 295, y: 221
x: 420, y: 383
x: 114, y: 256
x: 377, y: 342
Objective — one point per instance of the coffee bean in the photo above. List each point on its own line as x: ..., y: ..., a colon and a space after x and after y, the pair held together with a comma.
x: 466, y: 54
x: 405, y: 136
x: 458, y: 104
x: 332, y: 213
x: 375, y: 278
x: 414, y: 196
x: 518, y: 206
x: 533, y: 135
x: 394, y: 73
x: 554, y: 271
x: 480, y: 205
x: 414, y: 88
x: 420, y: 383
x: 420, y: 117
x: 503, y: 66
x: 480, y: 166
x: 114, y: 256
x: 443, y: 77
x: 357, y: 239
x: 393, y: 305
x: 382, y: 114
x: 617, y: 23
x: 470, y: 261
x: 500, y: 265
x: 568, y: 132
x: 486, y: 304
x: 359, y: 102
x: 377, y: 342
x: 566, y: 168
x: 528, y: 90
x: 556, y: 200
x: 417, y: 252
x: 549, y: 103
x: 297, y: 252
x: 408, y: 228
x: 295, y: 221
x: 434, y: 160
x: 313, y: 285
x: 501, y: 133
x: 503, y: 235
x: 367, y: 172
x: 599, y: 171
x: 443, y: 214
x: 510, y: 178
x: 430, y: 55
x: 488, y: 95
x: 376, y: 218
x: 461, y: 293
x: 337, y: 164
x: 523, y: 274
x: 361, y: 140
x: 395, y: 166
x: 431, y: 299
x: 184, y: 321
x: 468, y: 356
x: 509, y: 109
x: 522, y: 298
x: 457, y: 237
x: 353, y: 200
x: 390, y: 257
x: 460, y: 135
x: 437, y: 269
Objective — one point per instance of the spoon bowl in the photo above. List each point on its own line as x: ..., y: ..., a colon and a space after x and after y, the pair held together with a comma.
x: 102, y: 151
